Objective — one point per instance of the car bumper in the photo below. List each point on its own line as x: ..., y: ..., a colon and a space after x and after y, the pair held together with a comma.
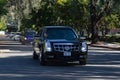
x: 61, y: 57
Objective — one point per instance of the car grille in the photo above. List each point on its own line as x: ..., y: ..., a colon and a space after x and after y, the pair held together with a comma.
x: 61, y: 47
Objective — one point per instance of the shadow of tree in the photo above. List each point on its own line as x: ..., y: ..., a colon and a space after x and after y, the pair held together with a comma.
x: 104, y: 58
x: 102, y: 66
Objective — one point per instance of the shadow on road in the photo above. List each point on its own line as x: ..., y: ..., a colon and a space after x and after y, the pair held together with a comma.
x: 104, y: 58
x: 16, y: 48
x: 20, y: 66
x: 9, y: 45
x: 100, y: 66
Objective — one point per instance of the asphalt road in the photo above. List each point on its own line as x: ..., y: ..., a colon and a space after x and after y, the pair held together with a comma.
x: 16, y: 63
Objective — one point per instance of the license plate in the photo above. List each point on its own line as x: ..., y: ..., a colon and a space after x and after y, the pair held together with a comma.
x: 67, y: 53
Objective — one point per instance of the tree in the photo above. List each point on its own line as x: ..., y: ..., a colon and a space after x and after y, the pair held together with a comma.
x: 97, y: 15
x: 2, y: 13
x: 21, y: 10
x: 2, y: 7
x: 76, y: 13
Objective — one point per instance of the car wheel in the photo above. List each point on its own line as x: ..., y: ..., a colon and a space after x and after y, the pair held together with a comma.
x: 82, y: 62
x: 35, y: 56
x: 41, y: 58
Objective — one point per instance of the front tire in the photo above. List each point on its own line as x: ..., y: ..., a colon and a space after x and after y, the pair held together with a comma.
x: 42, y: 60
x: 35, y: 56
x: 83, y: 62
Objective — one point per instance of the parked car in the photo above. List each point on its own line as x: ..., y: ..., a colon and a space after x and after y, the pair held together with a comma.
x: 2, y: 33
x: 11, y: 34
x: 59, y: 44
x: 16, y: 36
x: 27, y: 37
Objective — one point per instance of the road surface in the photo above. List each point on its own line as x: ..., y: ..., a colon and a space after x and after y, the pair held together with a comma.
x: 16, y: 63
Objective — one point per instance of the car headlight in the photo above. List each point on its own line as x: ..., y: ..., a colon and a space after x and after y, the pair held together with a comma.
x: 84, y: 47
x: 48, y: 46
x: 25, y: 38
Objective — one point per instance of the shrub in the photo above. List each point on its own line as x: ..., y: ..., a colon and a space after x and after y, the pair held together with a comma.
x: 111, y: 38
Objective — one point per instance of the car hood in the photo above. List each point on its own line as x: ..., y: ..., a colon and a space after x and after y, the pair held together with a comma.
x: 64, y: 41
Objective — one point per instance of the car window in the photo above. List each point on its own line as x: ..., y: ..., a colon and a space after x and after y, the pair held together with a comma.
x: 62, y: 33
x: 30, y: 33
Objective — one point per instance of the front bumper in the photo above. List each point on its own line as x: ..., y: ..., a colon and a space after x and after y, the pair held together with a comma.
x: 61, y: 57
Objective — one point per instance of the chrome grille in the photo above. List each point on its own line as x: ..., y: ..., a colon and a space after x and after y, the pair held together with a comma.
x: 61, y: 47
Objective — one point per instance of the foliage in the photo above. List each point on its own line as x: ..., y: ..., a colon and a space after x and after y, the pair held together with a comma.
x: 102, y: 17
x: 63, y: 12
x: 2, y: 24
x: 111, y: 21
x: 111, y: 38
x: 76, y: 13
x: 2, y: 4
x: 2, y: 12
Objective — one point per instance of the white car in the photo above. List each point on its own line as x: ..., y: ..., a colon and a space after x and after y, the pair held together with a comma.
x: 2, y: 32
x: 16, y: 36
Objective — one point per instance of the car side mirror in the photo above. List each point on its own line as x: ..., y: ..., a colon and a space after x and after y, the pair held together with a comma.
x: 82, y: 38
x: 81, y: 35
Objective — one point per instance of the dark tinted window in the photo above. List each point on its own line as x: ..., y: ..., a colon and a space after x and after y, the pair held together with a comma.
x: 60, y: 33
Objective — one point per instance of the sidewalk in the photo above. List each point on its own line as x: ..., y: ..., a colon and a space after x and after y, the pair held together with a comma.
x: 106, y: 45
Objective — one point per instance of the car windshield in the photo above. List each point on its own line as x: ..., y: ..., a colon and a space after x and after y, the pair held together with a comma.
x: 61, y: 33
x: 30, y: 33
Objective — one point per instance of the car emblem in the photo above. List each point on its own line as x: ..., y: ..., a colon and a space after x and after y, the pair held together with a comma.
x: 67, y: 48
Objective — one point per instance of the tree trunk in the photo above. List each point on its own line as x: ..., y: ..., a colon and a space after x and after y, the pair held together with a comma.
x: 94, y: 32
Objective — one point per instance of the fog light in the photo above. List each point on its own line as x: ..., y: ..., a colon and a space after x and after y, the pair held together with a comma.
x: 81, y: 56
x: 50, y: 56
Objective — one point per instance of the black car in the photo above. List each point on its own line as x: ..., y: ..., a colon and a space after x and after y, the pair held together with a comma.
x: 59, y: 44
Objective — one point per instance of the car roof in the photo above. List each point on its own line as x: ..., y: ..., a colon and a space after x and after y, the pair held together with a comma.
x: 56, y: 27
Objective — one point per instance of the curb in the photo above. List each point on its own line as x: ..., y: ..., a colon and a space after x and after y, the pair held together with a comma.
x: 110, y: 47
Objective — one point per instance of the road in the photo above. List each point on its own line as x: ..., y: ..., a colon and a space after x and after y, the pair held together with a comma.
x: 16, y: 63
